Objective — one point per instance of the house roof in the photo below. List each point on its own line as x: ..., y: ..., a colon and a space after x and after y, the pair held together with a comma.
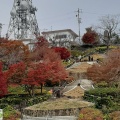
x: 57, y: 31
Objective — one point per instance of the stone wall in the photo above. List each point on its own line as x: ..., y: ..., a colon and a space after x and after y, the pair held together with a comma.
x: 50, y: 118
x: 60, y: 112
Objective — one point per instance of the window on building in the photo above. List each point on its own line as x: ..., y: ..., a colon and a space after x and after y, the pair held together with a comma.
x: 60, y: 36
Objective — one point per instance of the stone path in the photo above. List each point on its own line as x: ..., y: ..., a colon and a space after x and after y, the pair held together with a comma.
x: 84, y: 84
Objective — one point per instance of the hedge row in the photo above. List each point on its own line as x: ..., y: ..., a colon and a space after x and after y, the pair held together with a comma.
x: 108, y: 97
x: 103, y: 92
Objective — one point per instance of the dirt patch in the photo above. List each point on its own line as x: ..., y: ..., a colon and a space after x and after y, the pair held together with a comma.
x: 81, y: 68
x: 77, y: 92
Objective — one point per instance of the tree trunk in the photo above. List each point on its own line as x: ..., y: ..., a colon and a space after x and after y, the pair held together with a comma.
x: 107, y: 47
x: 41, y: 86
x: 32, y: 90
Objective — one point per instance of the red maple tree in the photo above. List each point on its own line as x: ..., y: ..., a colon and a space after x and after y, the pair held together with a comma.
x: 16, y: 73
x: 40, y: 73
x: 3, y: 82
x: 13, y: 51
x: 63, y: 52
x: 42, y: 52
x: 108, y: 70
x: 3, y: 40
x: 90, y: 37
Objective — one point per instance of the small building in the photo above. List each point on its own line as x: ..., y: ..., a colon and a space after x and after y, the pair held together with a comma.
x: 60, y: 38
x: 29, y: 42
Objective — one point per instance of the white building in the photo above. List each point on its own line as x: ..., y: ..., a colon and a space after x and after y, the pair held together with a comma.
x: 29, y: 42
x: 62, y: 38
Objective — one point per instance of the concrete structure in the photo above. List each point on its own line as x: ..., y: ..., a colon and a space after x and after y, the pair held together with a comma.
x: 50, y: 118
x: 29, y: 42
x: 62, y: 38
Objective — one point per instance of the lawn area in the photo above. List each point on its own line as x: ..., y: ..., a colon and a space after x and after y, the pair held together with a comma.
x: 61, y: 103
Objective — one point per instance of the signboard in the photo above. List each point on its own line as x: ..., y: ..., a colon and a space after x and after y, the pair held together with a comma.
x: 1, y: 114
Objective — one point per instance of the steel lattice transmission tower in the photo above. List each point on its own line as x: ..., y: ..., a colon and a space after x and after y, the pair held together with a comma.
x: 23, y: 23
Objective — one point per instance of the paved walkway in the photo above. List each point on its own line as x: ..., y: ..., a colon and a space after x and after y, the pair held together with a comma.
x: 84, y: 84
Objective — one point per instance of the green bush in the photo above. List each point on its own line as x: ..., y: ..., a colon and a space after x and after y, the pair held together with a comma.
x: 75, y: 53
x: 102, y: 84
x: 8, y: 111
x: 103, y: 101
x: 109, y: 97
x: 16, y: 89
x: 103, y: 92
x: 3, y: 105
x: 11, y: 100
x: 37, y: 99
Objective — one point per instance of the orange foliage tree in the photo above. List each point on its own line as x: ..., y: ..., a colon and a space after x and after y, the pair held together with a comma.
x: 16, y: 73
x: 42, y: 52
x: 108, y: 70
x: 3, y: 40
x: 45, y: 65
x: 63, y: 52
x: 13, y: 51
x: 40, y: 73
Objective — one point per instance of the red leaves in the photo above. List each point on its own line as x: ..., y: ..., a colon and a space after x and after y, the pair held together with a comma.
x: 13, y: 51
x: 63, y: 52
x: 41, y: 72
x: 89, y: 38
x: 3, y: 82
x: 42, y: 42
x: 16, y: 73
x: 42, y: 52
x: 3, y: 40
x: 108, y: 70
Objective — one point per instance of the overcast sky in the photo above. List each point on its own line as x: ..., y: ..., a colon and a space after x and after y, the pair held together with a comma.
x: 60, y: 14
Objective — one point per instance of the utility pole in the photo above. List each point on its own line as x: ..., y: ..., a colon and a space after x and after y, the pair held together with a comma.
x: 79, y: 21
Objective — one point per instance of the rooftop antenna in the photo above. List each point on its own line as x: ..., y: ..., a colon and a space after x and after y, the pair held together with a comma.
x: 23, y: 23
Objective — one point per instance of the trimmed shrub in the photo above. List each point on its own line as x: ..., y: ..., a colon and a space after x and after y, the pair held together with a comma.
x: 9, y: 112
x: 103, y: 92
x: 108, y: 97
x: 115, y: 115
x: 90, y: 114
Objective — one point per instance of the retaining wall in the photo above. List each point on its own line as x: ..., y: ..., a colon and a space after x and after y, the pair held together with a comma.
x: 60, y: 112
x: 50, y: 118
